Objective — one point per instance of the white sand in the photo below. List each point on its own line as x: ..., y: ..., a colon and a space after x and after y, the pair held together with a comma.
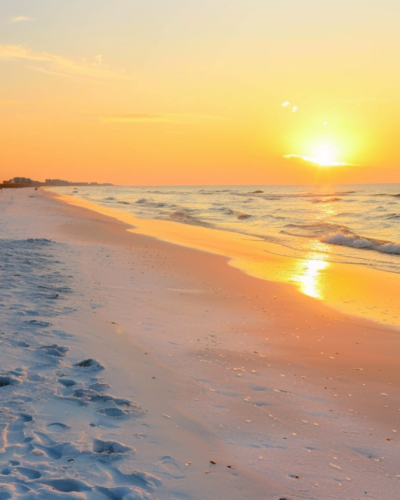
x: 182, y: 374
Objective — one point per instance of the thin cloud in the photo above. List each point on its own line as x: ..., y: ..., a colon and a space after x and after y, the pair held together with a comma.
x: 315, y: 161
x: 20, y: 19
x: 12, y: 52
x: 60, y: 65
x: 156, y: 118
x: 65, y: 75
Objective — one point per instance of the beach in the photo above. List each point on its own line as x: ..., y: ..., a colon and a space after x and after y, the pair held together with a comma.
x: 135, y: 368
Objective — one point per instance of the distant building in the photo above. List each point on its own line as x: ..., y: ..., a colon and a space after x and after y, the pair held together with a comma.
x: 27, y: 182
x: 22, y: 180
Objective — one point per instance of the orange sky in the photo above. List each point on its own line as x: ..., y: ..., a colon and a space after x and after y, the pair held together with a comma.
x: 177, y: 92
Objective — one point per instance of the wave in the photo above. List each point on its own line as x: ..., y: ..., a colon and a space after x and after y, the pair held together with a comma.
x: 347, y: 238
x: 149, y: 203
x: 258, y: 194
x: 186, y: 218
x: 344, y: 214
x: 169, y: 192
x: 314, y: 230
x: 215, y: 191
x: 228, y: 211
x: 389, y: 194
x: 340, y: 235
x: 327, y: 200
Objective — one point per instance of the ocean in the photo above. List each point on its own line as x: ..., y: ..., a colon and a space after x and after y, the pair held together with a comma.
x: 357, y: 223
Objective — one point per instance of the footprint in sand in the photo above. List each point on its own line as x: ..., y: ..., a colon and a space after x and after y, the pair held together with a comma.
x: 171, y: 468
x: 137, y: 478
x: 92, y: 364
x: 29, y: 473
x: 99, y: 386
x: 67, y: 382
x: 66, y: 485
x: 55, y: 350
x: 111, y: 447
x: 6, y: 380
x: 122, y: 493
x: 38, y: 324
x: 113, y: 412
x: 57, y: 427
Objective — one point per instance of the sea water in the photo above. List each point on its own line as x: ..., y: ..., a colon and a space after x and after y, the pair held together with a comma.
x: 357, y: 224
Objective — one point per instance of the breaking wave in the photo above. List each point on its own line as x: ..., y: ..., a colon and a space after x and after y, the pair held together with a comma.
x: 186, y: 218
x: 277, y: 196
x: 326, y: 200
x: 347, y: 238
x: 339, y: 235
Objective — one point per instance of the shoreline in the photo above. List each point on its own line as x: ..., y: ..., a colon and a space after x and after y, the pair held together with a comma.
x: 347, y: 288
x: 247, y: 372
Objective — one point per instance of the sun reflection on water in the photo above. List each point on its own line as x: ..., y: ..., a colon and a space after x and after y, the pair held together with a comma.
x: 307, y: 274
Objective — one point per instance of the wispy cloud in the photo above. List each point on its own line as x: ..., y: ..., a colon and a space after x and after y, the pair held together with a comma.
x: 316, y: 161
x: 57, y: 73
x: 59, y: 65
x: 20, y: 52
x: 20, y: 19
x: 156, y: 118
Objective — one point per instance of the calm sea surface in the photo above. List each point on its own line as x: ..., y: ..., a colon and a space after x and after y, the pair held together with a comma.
x: 339, y: 223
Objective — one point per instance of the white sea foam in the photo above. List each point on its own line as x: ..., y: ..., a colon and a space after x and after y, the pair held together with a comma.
x: 347, y: 238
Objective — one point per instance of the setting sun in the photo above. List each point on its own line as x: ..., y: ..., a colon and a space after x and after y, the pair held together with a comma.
x: 325, y: 155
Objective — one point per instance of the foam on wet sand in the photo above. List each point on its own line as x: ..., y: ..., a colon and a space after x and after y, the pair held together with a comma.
x: 132, y: 368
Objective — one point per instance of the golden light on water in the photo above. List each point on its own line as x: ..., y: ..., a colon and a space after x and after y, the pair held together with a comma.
x: 307, y: 274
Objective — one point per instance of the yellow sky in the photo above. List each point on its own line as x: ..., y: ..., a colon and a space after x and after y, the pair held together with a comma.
x: 200, y: 92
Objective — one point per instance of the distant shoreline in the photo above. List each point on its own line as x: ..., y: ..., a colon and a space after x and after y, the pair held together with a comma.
x: 40, y: 185
x: 14, y: 186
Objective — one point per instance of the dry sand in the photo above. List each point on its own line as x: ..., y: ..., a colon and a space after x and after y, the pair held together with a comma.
x: 193, y: 361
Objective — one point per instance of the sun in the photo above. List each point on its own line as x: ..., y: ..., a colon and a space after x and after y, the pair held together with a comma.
x: 325, y: 155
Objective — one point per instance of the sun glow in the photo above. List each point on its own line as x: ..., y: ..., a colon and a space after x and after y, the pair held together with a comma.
x: 324, y: 155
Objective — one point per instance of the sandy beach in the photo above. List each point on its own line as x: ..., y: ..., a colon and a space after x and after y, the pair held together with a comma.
x: 134, y: 368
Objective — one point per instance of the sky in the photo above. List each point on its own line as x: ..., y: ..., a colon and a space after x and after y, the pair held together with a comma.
x: 175, y: 92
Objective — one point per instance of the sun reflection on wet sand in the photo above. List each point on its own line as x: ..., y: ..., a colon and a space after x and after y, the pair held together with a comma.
x: 308, y: 276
